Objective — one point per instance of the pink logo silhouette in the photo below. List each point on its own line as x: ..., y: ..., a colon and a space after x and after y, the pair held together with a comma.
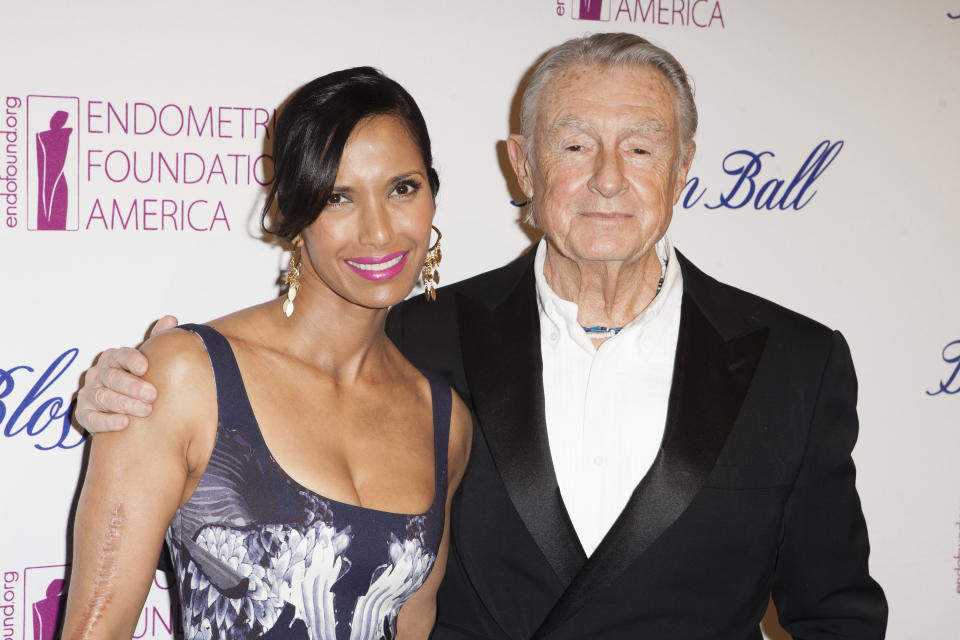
x: 590, y: 9
x: 52, y: 200
x: 46, y: 612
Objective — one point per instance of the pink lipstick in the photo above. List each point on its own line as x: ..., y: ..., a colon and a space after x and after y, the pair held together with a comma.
x: 379, y: 268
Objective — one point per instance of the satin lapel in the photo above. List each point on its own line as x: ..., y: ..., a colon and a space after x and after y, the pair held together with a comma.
x: 501, y: 358
x: 710, y: 379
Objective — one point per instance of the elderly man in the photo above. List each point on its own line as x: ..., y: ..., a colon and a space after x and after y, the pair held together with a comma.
x: 656, y: 452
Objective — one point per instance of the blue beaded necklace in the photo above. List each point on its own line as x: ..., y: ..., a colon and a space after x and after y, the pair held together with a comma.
x: 599, y: 332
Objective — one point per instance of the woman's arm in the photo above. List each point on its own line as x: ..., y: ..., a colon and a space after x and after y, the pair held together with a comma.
x: 419, y: 612
x: 135, y: 481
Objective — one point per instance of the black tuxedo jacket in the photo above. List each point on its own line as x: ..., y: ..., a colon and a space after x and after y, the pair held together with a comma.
x: 752, y: 491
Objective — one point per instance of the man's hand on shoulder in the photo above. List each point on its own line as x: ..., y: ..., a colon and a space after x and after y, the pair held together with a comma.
x: 113, y: 389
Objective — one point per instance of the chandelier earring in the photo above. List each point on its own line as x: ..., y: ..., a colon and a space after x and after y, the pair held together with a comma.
x: 430, y: 273
x: 293, y: 278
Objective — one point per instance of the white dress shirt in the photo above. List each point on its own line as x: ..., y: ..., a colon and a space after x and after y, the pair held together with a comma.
x: 606, y: 407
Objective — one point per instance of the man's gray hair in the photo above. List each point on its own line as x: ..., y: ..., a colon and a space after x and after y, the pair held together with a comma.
x: 611, y: 49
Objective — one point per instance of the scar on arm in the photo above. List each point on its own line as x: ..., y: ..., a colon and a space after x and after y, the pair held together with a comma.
x: 103, y: 588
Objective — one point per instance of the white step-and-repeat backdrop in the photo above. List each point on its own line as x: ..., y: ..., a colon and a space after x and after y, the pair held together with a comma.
x: 827, y: 178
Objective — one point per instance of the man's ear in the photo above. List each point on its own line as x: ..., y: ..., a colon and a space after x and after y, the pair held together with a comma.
x: 691, y: 149
x: 517, y: 150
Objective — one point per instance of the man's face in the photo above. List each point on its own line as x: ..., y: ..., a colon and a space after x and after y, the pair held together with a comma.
x: 604, y: 165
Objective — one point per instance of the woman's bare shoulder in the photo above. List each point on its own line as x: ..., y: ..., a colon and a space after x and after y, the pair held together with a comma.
x: 180, y: 369
x: 175, y: 356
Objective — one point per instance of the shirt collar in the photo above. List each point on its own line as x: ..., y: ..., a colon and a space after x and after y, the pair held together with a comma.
x: 562, y: 314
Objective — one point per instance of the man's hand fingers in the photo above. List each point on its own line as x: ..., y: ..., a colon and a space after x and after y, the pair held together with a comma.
x: 111, y: 372
x: 110, y: 401
x: 99, y: 422
x: 119, y: 381
x: 90, y: 400
x: 113, y: 390
x: 126, y: 358
x: 163, y: 324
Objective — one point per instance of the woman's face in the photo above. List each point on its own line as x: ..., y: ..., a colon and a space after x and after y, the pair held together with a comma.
x: 369, y: 242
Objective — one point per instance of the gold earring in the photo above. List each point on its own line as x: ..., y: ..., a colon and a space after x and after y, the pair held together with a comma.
x: 293, y: 278
x: 430, y: 273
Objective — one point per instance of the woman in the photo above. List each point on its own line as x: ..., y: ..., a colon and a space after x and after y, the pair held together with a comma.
x: 300, y: 468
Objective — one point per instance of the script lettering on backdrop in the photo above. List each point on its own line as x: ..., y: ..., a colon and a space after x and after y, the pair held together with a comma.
x: 761, y: 192
x: 38, y: 411
x: 951, y: 384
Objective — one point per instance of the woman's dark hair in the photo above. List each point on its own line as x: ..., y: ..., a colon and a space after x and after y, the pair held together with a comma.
x: 311, y: 132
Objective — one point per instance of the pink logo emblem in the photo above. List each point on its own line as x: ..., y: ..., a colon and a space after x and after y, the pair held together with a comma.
x: 53, y: 174
x: 591, y: 10
x: 46, y: 612
x: 43, y: 596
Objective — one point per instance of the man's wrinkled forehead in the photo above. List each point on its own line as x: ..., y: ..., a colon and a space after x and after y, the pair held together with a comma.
x: 570, y: 122
x: 568, y: 81
x: 576, y: 84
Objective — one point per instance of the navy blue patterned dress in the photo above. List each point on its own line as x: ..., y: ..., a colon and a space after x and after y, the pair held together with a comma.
x: 257, y: 555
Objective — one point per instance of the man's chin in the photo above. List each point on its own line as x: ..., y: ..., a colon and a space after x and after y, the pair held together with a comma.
x: 609, y: 248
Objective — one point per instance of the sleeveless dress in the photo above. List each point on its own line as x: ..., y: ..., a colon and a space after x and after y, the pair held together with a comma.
x: 256, y: 555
